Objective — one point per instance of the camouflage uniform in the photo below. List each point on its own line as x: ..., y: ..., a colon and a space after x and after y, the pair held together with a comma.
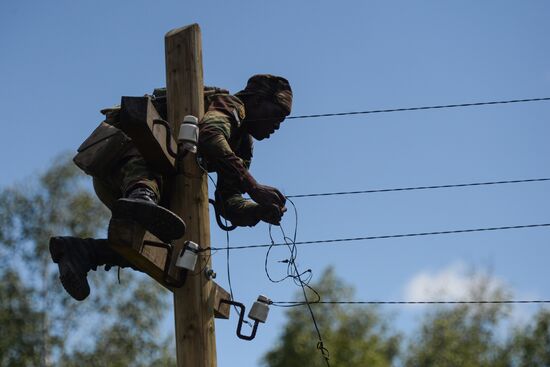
x: 228, y: 151
x: 227, y: 147
x: 126, y: 184
x: 129, y: 171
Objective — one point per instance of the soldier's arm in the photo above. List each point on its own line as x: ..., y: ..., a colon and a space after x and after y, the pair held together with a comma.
x: 214, y: 146
x: 218, y: 153
x: 232, y: 173
x: 233, y: 178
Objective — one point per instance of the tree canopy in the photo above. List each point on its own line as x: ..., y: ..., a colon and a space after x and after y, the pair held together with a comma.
x: 468, y: 335
x: 41, y: 324
x: 355, y: 336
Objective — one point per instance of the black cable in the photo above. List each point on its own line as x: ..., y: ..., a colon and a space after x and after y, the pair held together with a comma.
x: 293, y: 253
x: 296, y: 304
x: 418, y: 108
x: 227, y: 242
x: 420, y: 188
x: 391, y: 236
x: 296, y: 275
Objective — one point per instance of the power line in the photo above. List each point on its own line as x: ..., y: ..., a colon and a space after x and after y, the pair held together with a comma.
x: 366, y: 238
x: 419, y: 188
x: 419, y: 108
x: 296, y: 304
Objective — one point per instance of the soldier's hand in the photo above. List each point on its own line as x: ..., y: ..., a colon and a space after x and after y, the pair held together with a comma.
x: 267, y: 195
x: 271, y: 214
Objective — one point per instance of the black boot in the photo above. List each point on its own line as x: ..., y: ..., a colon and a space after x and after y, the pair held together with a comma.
x: 76, y: 257
x: 141, y: 206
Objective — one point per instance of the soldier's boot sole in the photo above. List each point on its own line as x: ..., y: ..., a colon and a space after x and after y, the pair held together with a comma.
x: 73, y: 280
x: 160, y: 221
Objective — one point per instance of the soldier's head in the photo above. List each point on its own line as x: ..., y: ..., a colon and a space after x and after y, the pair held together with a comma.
x: 267, y: 100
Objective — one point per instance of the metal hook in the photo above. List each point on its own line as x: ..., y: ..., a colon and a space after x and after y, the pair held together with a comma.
x: 241, y: 320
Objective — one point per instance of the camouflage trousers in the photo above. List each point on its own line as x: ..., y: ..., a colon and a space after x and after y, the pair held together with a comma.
x: 131, y: 172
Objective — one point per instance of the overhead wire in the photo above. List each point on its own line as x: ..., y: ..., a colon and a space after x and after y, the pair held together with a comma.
x: 296, y: 304
x: 412, y: 188
x: 366, y: 238
x: 457, y: 105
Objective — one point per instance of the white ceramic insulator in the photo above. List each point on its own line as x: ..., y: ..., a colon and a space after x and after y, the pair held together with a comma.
x: 260, y: 309
x: 189, y: 133
x: 188, y: 257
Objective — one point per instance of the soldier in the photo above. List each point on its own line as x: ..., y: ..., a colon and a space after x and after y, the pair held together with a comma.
x: 132, y: 189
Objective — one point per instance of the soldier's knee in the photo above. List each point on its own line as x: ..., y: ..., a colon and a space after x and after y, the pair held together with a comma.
x: 106, y: 193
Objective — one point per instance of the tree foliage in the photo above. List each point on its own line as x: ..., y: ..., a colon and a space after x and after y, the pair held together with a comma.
x: 469, y: 335
x: 42, y: 326
x: 464, y: 335
x: 20, y: 337
x: 355, y: 336
x: 531, y: 344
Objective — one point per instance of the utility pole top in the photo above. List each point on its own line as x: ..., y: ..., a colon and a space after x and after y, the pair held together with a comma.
x: 193, y: 304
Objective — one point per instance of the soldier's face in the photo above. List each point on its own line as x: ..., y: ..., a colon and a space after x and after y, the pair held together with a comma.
x: 264, y: 118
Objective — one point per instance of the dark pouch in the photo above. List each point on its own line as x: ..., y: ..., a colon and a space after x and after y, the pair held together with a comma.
x: 103, y: 149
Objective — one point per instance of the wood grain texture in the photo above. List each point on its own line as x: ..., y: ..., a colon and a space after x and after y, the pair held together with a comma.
x: 127, y: 238
x: 193, y: 306
x: 221, y: 311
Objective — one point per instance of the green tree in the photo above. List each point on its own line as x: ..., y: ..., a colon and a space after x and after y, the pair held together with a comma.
x: 530, y: 346
x: 117, y: 323
x: 20, y: 324
x: 354, y: 336
x: 465, y: 335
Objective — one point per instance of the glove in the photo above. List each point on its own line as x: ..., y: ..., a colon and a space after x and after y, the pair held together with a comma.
x: 271, y: 214
x: 267, y: 195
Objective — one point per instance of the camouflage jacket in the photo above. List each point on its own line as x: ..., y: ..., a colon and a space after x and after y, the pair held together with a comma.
x: 225, y: 147
x: 227, y: 150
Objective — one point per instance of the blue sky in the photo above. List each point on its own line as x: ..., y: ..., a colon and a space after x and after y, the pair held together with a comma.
x: 63, y: 61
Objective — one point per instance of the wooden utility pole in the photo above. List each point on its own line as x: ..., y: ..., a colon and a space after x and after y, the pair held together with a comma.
x: 193, y: 304
x: 200, y: 299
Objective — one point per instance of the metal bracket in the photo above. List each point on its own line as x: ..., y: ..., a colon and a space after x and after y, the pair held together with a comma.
x: 241, y: 319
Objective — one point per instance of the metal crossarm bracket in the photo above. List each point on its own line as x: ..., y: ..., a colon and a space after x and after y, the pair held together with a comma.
x: 242, y: 309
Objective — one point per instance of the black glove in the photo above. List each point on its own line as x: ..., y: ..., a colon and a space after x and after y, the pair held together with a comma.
x: 271, y: 214
x: 267, y: 195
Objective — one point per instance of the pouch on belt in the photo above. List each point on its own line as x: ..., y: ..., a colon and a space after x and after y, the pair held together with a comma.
x: 102, y: 151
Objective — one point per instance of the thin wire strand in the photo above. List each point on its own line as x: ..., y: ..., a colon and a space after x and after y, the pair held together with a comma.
x: 296, y: 276
x: 227, y: 244
x: 420, y: 188
x: 418, y: 108
x: 391, y: 236
x: 297, y: 304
